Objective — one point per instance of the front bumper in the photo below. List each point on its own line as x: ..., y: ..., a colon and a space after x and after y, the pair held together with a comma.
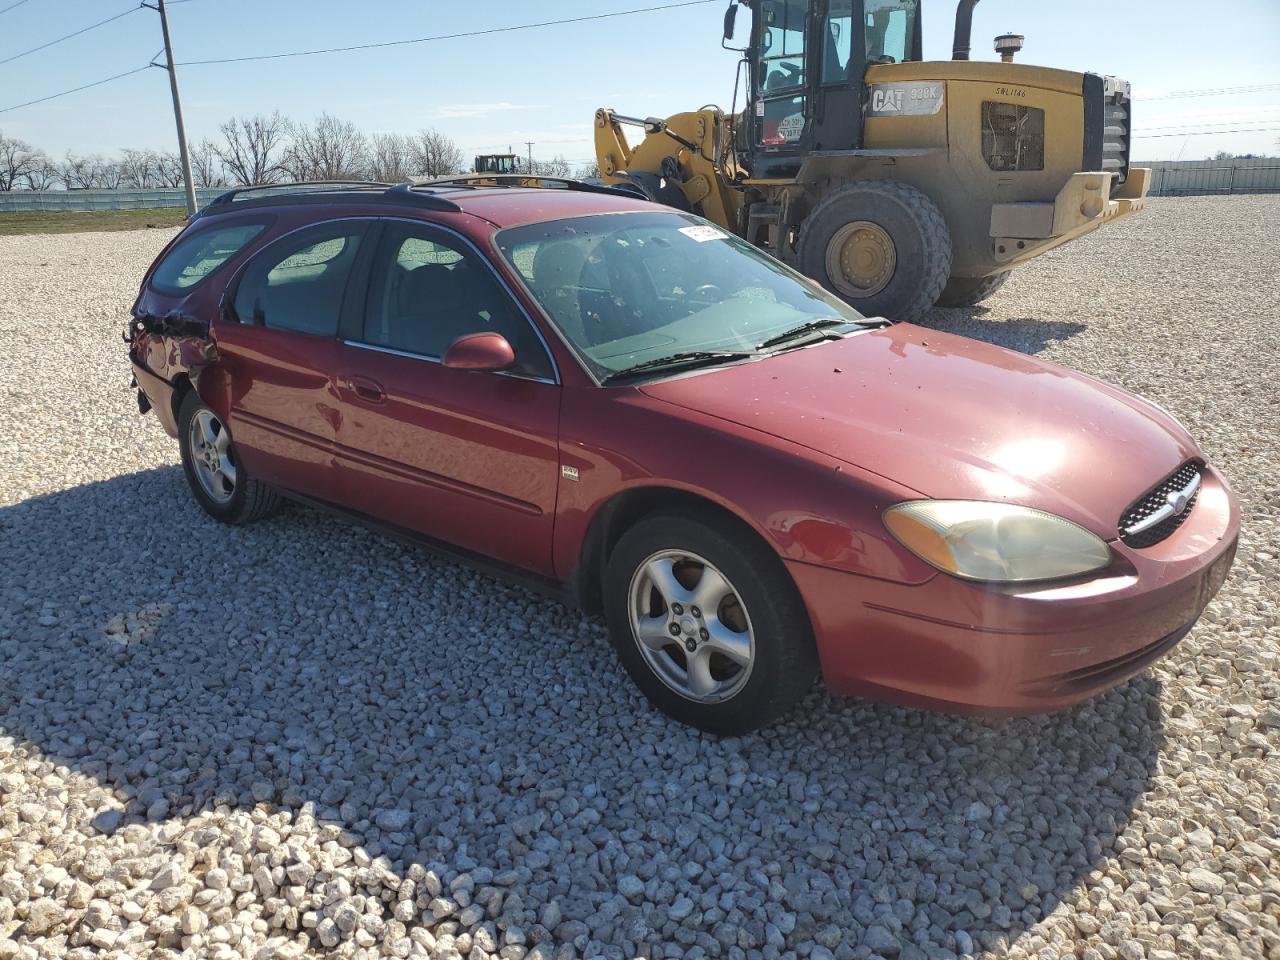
x: 1023, y: 230
x: 968, y: 647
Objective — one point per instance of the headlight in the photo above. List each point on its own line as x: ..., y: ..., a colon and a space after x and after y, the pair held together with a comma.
x: 997, y: 542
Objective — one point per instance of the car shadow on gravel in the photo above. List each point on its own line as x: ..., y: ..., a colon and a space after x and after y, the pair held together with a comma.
x: 446, y: 720
x: 1025, y: 334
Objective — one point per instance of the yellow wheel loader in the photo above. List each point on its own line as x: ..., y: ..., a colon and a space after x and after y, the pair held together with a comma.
x: 895, y: 182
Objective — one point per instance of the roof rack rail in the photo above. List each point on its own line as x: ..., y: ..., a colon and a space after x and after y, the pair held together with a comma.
x: 293, y: 185
x: 327, y: 191
x: 474, y: 180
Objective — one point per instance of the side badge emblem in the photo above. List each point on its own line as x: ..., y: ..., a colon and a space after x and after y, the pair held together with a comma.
x: 569, y: 473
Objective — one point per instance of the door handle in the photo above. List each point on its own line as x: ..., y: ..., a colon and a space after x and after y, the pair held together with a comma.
x: 365, y: 389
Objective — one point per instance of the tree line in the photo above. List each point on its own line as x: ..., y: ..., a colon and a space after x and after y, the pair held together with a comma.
x: 264, y: 148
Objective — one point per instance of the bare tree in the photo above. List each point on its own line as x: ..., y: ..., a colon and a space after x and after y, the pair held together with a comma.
x: 206, y: 168
x: 559, y: 167
x: 43, y: 175
x: 169, y: 169
x: 252, y: 147
x: 391, y: 157
x: 17, y: 159
x: 139, y: 167
x: 82, y: 173
x: 435, y: 155
x: 331, y: 149
x: 588, y: 171
x: 110, y: 175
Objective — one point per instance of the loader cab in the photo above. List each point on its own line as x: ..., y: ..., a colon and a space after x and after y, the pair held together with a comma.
x: 806, y: 63
x: 496, y: 163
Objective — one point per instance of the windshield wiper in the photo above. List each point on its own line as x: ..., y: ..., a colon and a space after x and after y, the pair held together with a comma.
x: 688, y: 358
x: 804, y: 328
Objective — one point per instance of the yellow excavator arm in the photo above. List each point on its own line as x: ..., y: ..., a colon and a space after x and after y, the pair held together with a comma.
x: 686, y: 161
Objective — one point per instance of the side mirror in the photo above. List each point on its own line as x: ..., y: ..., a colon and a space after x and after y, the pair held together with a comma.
x: 730, y: 18
x: 486, y: 352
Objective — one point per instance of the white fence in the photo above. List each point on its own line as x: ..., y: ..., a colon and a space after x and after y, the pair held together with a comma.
x: 36, y: 201
x: 1169, y: 178
x: 1181, y: 178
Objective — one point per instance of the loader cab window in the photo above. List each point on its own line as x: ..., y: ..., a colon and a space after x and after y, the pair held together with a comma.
x: 837, y: 42
x: 780, y: 44
x: 891, y: 30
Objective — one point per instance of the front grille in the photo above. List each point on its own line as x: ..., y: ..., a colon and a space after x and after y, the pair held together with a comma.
x: 1155, y: 499
x: 1115, y: 137
x: 1108, y: 126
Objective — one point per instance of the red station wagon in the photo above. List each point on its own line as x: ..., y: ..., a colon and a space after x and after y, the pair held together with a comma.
x: 625, y: 404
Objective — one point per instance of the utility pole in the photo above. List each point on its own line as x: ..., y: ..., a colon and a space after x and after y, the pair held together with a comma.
x: 529, y: 144
x: 177, y: 107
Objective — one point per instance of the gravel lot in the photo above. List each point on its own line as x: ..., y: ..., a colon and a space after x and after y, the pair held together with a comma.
x: 300, y: 738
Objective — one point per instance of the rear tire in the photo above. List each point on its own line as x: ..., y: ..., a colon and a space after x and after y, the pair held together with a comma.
x: 217, y: 478
x: 882, y: 246
x: 742, y: 653
x: 969, y: 291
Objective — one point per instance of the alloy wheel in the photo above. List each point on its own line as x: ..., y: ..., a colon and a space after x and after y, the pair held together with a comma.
x: 211, y: 456
x: 691, y: 626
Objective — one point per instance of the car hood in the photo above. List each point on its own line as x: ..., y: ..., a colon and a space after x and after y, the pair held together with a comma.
x: 953, y: 418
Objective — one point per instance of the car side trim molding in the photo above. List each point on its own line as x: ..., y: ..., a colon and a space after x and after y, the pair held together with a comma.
x: 374, y: 462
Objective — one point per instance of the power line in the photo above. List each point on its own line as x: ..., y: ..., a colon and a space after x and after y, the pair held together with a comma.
x: 1213, y: 92
x: 92, y: 26
x: 1163, y: 128
x: 1202, y: 133
x: 12, y: 5
x: 448, y: 36
x: 86, y: 86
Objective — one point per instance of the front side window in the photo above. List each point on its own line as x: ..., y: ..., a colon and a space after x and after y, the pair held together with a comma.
x: 200, y: 252
x: 781, y: 44
x: 298, y: 283
x: 891, y: 30
x: 426, y: 289
x: 634, y: 287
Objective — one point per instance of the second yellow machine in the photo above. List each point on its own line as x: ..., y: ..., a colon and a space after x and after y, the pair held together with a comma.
x: 895, y: 182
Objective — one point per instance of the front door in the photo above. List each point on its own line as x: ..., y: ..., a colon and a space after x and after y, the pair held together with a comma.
x: 781, y: 77
x: 467, y: 457
x: 277, y: 343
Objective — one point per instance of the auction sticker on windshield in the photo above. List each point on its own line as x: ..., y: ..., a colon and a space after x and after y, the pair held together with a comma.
x: 702, y: 232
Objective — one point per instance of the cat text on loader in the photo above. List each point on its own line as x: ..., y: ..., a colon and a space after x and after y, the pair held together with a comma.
x: 895, y: 182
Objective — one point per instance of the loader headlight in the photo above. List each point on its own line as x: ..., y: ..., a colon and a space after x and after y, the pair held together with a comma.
x: 995, y: 542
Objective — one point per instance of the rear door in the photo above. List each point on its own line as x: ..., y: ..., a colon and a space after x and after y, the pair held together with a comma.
x: 277, y: 344
x: 467, y: 457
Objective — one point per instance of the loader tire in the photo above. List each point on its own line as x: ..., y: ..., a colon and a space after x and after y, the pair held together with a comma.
x: 968, y: 291
x: 881, y: 246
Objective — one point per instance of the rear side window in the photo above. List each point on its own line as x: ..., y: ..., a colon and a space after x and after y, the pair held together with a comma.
x: 200, y: 253
x: 298, y: 283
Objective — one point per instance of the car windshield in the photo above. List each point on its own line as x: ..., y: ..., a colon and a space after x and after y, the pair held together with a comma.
x: 633, y: 288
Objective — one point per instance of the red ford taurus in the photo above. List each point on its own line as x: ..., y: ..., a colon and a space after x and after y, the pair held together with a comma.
x: 623, y: 403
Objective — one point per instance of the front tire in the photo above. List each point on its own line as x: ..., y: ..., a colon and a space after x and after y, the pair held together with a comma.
x: 882, y: 246
x: 970, y: 291
x: 707, y: 623
x: 214, y: 472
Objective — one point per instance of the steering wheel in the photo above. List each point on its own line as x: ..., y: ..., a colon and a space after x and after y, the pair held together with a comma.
x: 705, y: 292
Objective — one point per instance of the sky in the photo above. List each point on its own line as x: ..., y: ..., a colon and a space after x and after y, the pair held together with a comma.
x: 543, y: 85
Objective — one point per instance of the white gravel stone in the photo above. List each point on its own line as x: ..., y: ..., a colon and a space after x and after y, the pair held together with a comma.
x: 323, y: 742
